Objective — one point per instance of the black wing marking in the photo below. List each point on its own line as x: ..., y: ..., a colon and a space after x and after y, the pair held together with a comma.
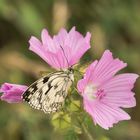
x: 56, y: 96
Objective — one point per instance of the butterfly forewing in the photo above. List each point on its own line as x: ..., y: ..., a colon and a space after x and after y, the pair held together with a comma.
x: 49, y: 92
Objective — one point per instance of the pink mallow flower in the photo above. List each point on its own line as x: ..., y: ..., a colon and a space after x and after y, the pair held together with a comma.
x: 104, y: 93
x: 62, y: 50
x: 12, y: 93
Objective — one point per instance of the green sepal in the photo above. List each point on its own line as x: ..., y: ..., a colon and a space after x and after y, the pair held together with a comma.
x: 74, y: 106
x: 61, y: 120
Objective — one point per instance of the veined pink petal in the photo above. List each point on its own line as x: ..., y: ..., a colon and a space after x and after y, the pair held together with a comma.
x: 36, y: 47
x: 83, y: 47
x: 48, y: 43
x: 105, y: 115
x: 87, y: 37
x: 104, y: 93
x: 45, y: 37
x: 61, y: 37
x: 125, y: 102
x: 12, y: 93
x: 73, y: 38
x: 118, y: 90
x: 90, y: 70
x: 78, y: 45
x: 121, y: 81
x: 83, y: 82
x: 63, y: 50
x: 52, y: 60
x: 107, y: 67
x: 81, y: 85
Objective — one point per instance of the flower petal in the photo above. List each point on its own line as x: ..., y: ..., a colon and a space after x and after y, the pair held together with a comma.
x: 118, y: 90
x: 12, y: 93
x: 63, y: 50
x: 105, y: 115
x: 83, y: 82
x: 78, y: 44
x: 41, y: 50
x: 61, y: 37
x: 47, y: 41
x: 104, y: 93
x: 107, y: 67
x: 36, y: 47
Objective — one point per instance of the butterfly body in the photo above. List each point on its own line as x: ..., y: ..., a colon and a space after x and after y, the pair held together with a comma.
x: 49, y: 92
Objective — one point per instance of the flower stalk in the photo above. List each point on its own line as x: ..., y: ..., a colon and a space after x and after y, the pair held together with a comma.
x: 90, y: 137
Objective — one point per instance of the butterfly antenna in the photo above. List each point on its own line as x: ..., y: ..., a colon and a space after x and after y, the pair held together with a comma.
x: 65, y: 55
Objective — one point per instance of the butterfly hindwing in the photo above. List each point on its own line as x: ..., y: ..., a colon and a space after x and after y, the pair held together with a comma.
x: 56, y: 96
x: 32, y: 94
x: 49, y: 92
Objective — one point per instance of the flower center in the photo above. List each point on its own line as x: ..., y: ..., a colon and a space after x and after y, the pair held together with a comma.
x: 91, y: 92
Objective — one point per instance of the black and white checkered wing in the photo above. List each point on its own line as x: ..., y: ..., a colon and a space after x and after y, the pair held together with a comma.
x: 49, y: 92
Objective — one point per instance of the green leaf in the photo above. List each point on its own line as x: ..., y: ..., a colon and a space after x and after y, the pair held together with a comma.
x: 74, y: 105
x: 71, y: 135
x: 61, y: 120
x: 104, y: 138
x: 77, y: 130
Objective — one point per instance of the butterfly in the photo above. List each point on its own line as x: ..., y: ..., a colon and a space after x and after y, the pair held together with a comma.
x: 49, y: 92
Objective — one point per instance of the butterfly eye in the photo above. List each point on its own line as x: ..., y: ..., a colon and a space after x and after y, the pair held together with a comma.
x: 71, y: 69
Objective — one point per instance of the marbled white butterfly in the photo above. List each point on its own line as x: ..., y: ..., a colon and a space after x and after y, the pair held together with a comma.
x: 49, y: 92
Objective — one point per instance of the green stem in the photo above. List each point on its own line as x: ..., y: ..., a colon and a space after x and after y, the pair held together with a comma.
x: 90, y: 137
x: 87, y: 132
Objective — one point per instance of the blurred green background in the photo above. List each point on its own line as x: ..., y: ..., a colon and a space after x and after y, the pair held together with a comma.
x: 114, y: 24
